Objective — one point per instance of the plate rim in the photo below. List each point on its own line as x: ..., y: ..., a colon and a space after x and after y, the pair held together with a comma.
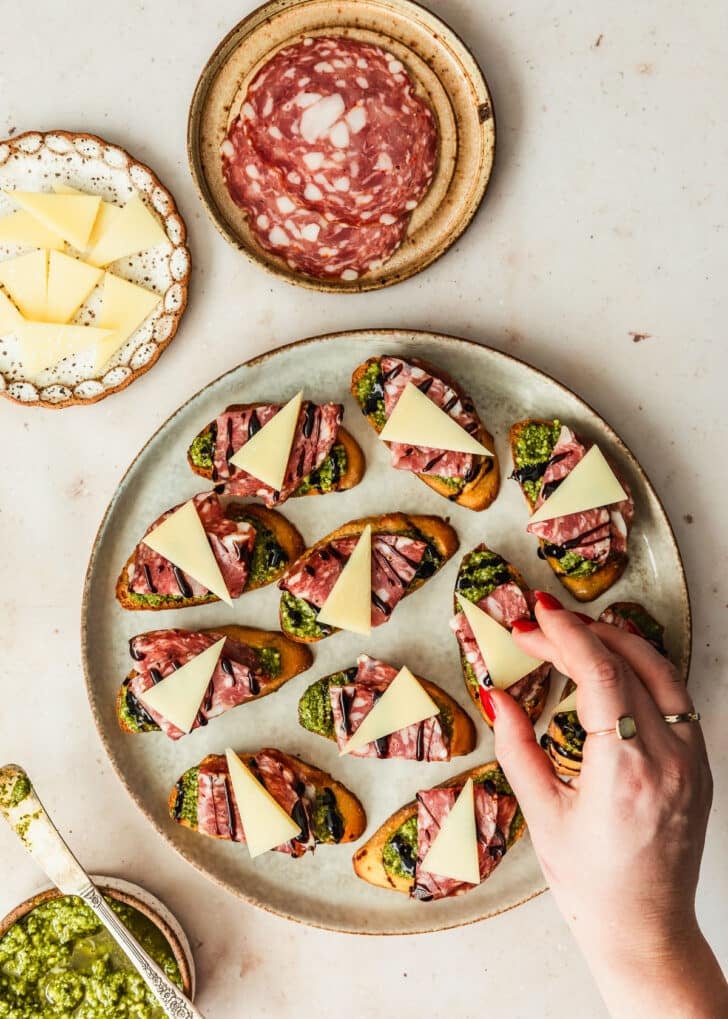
x: 184, y: 282
x: 295, y: 278
x: 361, y: 334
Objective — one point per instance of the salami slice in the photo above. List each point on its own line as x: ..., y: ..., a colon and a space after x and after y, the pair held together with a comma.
x: 311, y: 242
x: 341, y: 118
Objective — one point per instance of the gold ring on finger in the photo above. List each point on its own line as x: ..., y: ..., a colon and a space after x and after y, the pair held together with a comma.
x: 626, y: 728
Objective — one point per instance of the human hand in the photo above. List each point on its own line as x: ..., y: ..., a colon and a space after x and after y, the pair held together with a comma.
x: 621, y: 845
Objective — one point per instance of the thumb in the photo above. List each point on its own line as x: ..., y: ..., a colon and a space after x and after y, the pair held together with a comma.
x: 525, y: 765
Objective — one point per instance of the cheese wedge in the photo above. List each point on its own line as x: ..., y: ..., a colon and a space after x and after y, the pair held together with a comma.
x: 454, y: 853
x: 417, y: 421
x: 592, y: 483
x: 44, y: 344
x: 69, y: 284
x: 178, y: 697
x: 107, y: 214
x: 71, y: 216
x: 404, y: 702
x: 265, y: 822
x: 10, y: 317
x: 266, y: 455
x: 181, y: 538
x: 124, y: 307
x: 568, y: 703
x: 125, y: 231
x: 21, y: 228
x: 349, y: 604
x: 26, y: 280
x: 505, y: 661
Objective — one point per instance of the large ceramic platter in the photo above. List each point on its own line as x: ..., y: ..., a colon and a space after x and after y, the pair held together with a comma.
x: 322, y: 889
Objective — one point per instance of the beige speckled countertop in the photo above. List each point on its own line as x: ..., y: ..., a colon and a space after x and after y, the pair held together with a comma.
x: 606, y: 218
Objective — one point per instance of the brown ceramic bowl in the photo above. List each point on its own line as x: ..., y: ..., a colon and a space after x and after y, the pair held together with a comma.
x: 131, y: 895
x: 446, y: 74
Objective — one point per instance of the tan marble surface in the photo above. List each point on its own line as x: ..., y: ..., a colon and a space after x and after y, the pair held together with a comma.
x: 606, y: 217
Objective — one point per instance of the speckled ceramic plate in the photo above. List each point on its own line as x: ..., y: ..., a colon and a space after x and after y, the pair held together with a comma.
x: 322, y: 889
x: 446, y: 74
x: 36, y: 162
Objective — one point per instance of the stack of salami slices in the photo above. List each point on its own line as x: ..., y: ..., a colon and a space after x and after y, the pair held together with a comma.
x: 331, y: 153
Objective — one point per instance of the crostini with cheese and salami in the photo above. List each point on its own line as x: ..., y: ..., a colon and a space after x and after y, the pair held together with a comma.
x: 337, y: 705
x: 324, y: 810
x: 406, y: 551
x: 495, y: 587
x: 322, y: 458
x: 564, y: 739
x: 252, y: 663
x: 461, y: 472
x: 585, y: 547
x: 395, y: 856
x: 237, y: 547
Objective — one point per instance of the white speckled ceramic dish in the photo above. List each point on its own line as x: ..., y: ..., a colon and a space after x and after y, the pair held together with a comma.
x: 37, y: 162
x: 322, y: 889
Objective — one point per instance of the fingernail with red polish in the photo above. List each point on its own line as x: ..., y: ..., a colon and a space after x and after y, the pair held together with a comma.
x: 631, y: 628
x: 524, y: 625
x: 584, y: 617
x: 488, y: 704
x: 547, y: 601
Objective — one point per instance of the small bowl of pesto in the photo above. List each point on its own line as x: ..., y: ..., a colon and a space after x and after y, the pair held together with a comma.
x: 56, y: 958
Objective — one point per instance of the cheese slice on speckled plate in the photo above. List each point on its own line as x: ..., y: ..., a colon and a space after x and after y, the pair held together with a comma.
x: 405, y: 702
x: 69, y: 284
x: 124, y: 307
x: 22, y: 228
x: 177, y: 698
x: 26, y: 280
x: 505, y: 661
x: 72, y: 216
x: 181, y: 538
x: 44, y: 344
x: 591, y: 484
x: 265, y: 822
x: 349, y: 604
x: 10, y: 317
x: 267, y: 453
x: 454, y: 853
x: 417, y: 421
x: 124, y: 231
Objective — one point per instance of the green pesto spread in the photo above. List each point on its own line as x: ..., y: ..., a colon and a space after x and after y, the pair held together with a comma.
x: 534, y: 445
x: 270, y: 661
x: 645, y: 623
x: 268, y: 559
x: 575, y: 565
x: 480, y: 573
x: 370, y: 394
x: 314, y: 708
x: 570, y: 736
x: 58, y: 962
x: 13, y: 791
x: 185, y: 806
x: 299, y: 617
x: 323, y: 811
x: 406, y: 835
x: 202, y: 450
x: 326, y: 477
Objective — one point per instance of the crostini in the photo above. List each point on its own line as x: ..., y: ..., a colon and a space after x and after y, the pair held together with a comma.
x: 406, y: 550
x: 393, y: 857
x: 252, y: 664
x: 470, y: 479
x: 251, y: 546
x: 323, y: 456
x: 495, y: 587
x: 203, y: 799
x: 587, y: 550
x: 335, y: 707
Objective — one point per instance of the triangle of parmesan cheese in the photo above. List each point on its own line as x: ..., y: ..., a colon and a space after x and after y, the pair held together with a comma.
x: 125, y: 231
x: 417, y: 421
x: 21, y: 228
x: 69, y: 284
x: 124, y: 307
x: 182, y: 540
x: 10, y: 317
x: 349, y: 604
x: 72, y: 216
x: 265, y: 822
x: 44, y: 344
x: 26, y: 280
x: 454, y: 853
x: 178, y: 697
x: 267, y: 453
x: 405, y: 702
x: 505, y: 661
x: 592, y: 483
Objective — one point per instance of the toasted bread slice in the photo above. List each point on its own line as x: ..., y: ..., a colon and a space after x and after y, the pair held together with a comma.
x: 503, y: 572
x: 350, y: 464
x: 436, y: 531
x: 272, y: 529
x: 294, y: 659
x: 369, y: 860
x: 477, y: 493
x: 585, y: 588
x: 462, y: 730
x: 342, y: 815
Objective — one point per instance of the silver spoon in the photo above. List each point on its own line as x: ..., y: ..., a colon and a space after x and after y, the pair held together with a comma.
x: 27, y: 816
